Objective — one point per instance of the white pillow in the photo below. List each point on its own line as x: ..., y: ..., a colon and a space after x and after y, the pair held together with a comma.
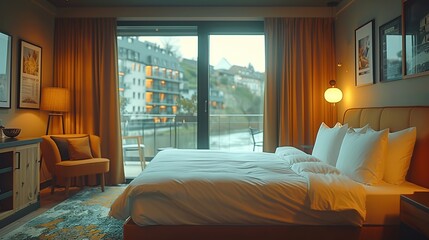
x: 314, y: 167
x: 328, y: 142
x: 287, y: 151
x: 400, y: 150
x: 297, y: 158
x: 362, y: 129
x: 362, y: 155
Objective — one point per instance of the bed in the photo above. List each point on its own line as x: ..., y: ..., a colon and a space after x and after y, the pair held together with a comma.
x: 344, y: 222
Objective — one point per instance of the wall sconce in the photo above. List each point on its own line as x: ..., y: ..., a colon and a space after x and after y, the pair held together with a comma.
x: 333, y: 94
x: 56, y: 101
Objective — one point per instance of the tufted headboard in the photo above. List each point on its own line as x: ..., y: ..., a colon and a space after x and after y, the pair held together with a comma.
x: 398, y: 118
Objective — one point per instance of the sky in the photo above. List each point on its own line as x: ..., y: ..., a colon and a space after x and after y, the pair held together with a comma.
x: 236, y: 49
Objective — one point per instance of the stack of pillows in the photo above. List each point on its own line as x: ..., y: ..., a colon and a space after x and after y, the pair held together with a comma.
x: 365, y: 155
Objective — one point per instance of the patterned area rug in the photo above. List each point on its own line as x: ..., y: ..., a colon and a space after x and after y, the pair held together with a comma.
x: 82, y: 216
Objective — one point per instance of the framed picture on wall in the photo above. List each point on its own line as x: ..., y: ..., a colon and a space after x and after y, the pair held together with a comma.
x: 364, y: 54
x: 416, y: 37
x: 391, y: 50
x: 30, y: 73
x: 5, y: 69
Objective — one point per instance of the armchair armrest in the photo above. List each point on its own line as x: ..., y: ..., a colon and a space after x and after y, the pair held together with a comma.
x: 95, y: 146
x: 50, y: 151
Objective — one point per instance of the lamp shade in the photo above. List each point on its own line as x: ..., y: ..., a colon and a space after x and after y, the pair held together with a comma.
x: 333, y: 95
x: 55, y: 99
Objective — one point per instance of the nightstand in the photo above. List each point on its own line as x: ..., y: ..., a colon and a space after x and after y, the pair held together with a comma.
x: 415, y: 212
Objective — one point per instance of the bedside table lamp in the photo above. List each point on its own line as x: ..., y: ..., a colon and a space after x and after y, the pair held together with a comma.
x: 333, y: 94
x: 56, y: 101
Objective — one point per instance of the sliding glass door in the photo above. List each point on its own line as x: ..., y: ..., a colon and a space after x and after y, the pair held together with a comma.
x: 190, y: 84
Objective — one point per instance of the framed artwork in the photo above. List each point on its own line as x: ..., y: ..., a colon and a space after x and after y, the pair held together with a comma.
x: 364, y: 54
x: 391, y: 50
x: 30, y: 76
x: 5, y: 69
x: 415, y: 15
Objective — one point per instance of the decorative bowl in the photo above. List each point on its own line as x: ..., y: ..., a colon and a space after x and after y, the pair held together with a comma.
x: 11, y: 132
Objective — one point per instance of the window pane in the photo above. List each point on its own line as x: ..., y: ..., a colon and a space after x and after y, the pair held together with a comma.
x: 237, y: 76
x: 157, y: 84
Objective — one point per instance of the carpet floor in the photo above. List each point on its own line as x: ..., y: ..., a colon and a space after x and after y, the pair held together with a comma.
x: 82, y: 216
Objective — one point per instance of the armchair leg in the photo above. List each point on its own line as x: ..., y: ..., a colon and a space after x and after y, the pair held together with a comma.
x: 53, y: 184
x: 82, y: 181
x: 68, y: 182
x: 102, y: 182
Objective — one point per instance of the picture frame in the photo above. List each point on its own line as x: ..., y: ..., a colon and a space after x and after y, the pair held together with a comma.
x: 364, y: 54
x: 390, y: 42
x: 415, y: 37
x: 5, y: 70
x: 30, y: 73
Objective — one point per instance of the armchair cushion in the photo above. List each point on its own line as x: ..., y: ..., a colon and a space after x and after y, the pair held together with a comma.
x: 79, y: 148
x: 63, y: 145
x: 82, y: 167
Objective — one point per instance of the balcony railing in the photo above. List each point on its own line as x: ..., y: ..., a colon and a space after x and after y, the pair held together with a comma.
x: 228, y: 132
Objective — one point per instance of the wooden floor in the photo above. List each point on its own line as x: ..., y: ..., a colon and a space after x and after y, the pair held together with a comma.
x: 47, y: 201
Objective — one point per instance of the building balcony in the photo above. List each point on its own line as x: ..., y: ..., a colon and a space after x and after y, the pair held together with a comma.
x: 163, y: 90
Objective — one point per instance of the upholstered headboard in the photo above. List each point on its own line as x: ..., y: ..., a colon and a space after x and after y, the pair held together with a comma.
x: 398, y: 118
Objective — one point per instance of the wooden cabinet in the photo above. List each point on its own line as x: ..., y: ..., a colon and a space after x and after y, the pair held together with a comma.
x: 19, y: 178
x: 415, y: 214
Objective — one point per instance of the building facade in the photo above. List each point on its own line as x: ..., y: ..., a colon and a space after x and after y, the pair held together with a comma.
x: 149, y: 80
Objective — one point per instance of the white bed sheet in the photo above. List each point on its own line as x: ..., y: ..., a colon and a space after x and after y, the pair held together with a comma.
x: 256, y: 188
x: 383, y: 202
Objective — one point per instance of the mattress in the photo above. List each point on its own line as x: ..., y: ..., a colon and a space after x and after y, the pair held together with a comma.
x: 383, y: 200
x: 205, y: 187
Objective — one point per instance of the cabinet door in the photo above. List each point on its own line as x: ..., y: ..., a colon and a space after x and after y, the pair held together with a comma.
x: 26, y: 175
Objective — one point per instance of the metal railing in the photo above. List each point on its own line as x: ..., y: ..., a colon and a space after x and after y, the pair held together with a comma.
x: 228, y: 132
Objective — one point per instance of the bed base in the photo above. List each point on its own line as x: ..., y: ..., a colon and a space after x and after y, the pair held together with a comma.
x: 267, y: 232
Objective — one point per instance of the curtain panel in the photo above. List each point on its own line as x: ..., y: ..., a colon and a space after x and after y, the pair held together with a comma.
x: 300, y: 61
x: 85, y: 62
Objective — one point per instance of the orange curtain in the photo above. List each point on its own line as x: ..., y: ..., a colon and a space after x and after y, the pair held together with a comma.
x: 300, y: 62
x: 85, y: 62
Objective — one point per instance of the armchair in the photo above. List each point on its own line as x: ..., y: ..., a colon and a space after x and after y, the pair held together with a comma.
x: 73, y: 155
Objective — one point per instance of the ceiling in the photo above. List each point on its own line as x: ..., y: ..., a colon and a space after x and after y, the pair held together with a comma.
x: 193, y: 3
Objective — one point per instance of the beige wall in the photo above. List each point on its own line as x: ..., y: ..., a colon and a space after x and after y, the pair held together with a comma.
x: 351, y: 15
x: 30, y: 21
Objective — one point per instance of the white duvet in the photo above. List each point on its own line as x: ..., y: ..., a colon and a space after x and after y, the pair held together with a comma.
x: 203, y: 187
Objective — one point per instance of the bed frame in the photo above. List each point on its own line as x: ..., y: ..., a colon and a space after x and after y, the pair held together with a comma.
x: 395, y: 118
